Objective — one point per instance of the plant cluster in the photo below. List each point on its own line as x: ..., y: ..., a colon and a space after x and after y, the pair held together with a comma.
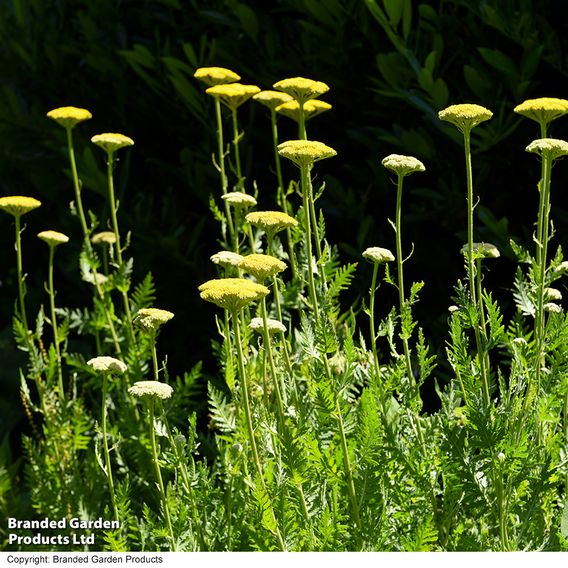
x: 317, y: 435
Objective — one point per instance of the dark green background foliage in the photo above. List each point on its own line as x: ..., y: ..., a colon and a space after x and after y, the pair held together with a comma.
x: 390, y: 71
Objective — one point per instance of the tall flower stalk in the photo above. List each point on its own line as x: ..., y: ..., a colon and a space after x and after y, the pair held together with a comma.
x: 54, y: 239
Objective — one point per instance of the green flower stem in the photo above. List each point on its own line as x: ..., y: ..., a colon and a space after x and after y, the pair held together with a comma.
x: 544, y: 224
x: 282, y: 201
x: 237, y: 154
x: 502, y: 507
x: 159, y: 475
x: 221, y: 168
x: 314, y: 219
x: 248, y: 416
x: 304, y: 172
x: 88, y: 247
x: 228, y: 346
x: 106, y: 450
x: 372, y: 328
x: 540, y: 204
x: 20, y: 272
x: 51, y: 292
x: 117, y: 247
x: 77, y: 188
x: 154, y: 356
x: 302, y: 135
x: 471, y: 266
x: 279, y: 388
x: 400, y: 262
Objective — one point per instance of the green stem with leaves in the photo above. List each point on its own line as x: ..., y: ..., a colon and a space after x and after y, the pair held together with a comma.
x: 108, y: 465
x: 51, y: 293
x: 21, y: 276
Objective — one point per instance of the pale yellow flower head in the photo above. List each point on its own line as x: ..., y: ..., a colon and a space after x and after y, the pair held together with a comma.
x: 227, y: 258
x: 99, y: 278
x: 552, y: 308
x: 301, y: 89
x: 150, y: 319
x: 271, y: 221
x: 465, y: 116
x: 107, y: 365
x: 378, y: 255
x: 305, y: 152
x: 104, y: 238
x: 402, y: 165
x: 543, y: 110
x: 233, y: 95
x: 151, y: 389
x: 53, y: 238
x: 551, y: 148
x: 553, y: 294
x: 18, y: 205
x: 273, y: 326
x: 216, y: 76
x: 69, y: 117
x: 233, y: 294
x: 311, y: 108
x: 110, y: 142
x: 272, y: 99
x: 239, y: 199
x: 262, y: 266
x: 482, y: 250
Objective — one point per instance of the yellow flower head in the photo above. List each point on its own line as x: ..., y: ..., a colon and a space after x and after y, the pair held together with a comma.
x: 482, y: 250
x: 273, y: 326
x: 552, y: 294
x: 262, y: 266
x: 378, y: 255
x: 551, y: 148
x: 311, y: 108
x: 271, y: 221
x: 465, y: 116
x: 272, y: 99
x: 110, y: 142
x: 104, y: 237
x: 150, y: 319
x: 216, y: 75
x: 233, y: 294
x: 402, y: 165
x: 301, y: 89
x: 239, y: 199
x: 69, y: 117
x: 53, y: 238
x: 18, y: 205
x: 305, y: 152
x: 107, y: 365
x: 226, y: 258
x: 233, y: 95
x: 543, y: 110
x: 151, y: 389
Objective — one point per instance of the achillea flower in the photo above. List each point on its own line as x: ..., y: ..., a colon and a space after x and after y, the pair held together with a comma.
x: 53, y: 238
x: 18, y: 205
x: 69, y: 116
x: 402, y: 165
x: 305, y: 152
x: 152, y: 389
x: 239, y: 199
x: 562, y: 268
x: 216, y: 76
x: 110, y: 142
x: 378, y: 255
x: 233, y: 95
x: 271, y: 221
x: 465, y: 116
x: 233, y: 294
x: 273, y: 326
x: 548, y: 147
x: 552, y: 308
x: 543, y: 110
x: 262, y: 266
x: 107, y: 365
x: 553, y: 294
x: 301, y: 89
x: 104, y: 238
x: 150, y: 319
x: 272, y: 99
x: 311, y: 108
x: 227, y: 258
x: 482, y: 250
